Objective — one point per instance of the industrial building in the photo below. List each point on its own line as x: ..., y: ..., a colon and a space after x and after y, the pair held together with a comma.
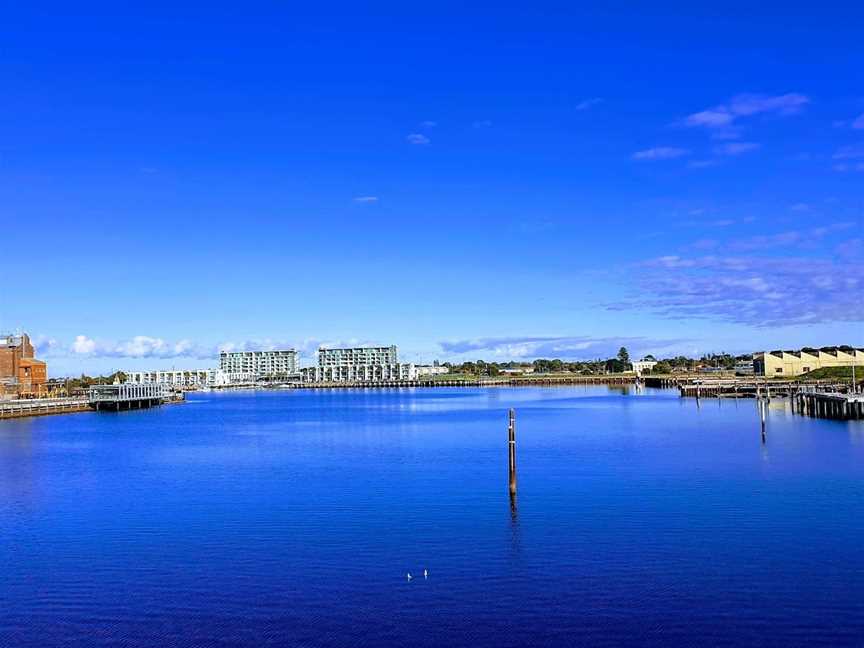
x: 795, y: 363
x: 265, y: 365
x: 21, y: 374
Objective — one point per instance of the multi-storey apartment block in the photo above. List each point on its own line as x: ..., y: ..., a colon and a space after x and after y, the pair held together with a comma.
x: 262, y: 364
x: 357, y: 356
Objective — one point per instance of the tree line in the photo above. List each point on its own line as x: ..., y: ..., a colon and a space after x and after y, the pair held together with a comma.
x: 620, y: 363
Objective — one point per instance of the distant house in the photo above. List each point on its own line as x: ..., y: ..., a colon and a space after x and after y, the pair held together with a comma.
x: 645, y: 365
x: 517, y: 371
x: 744, y: 368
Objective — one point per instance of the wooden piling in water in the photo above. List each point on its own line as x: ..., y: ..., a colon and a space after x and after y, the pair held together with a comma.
x: 763, y: 405
x: 511, y: 444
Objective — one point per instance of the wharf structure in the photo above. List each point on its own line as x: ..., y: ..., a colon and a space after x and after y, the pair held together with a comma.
x: 844, y: 407
x: 129, y: 396
x: 115, y: 397
x: 748, y: 388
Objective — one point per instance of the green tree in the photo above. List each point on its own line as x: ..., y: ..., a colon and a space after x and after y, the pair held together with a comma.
x: 623, y: 355
x: 662, y: 367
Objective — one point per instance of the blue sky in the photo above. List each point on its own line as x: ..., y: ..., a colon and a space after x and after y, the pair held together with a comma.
x: 500, y: 181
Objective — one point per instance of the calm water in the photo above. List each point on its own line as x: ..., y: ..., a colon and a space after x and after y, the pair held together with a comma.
x: 291, y: 518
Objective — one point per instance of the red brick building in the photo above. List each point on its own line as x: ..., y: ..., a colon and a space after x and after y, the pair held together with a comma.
x: 20, y: 373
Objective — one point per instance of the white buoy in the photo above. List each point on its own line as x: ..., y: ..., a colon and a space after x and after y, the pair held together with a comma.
x: 409, y: 576
x: 425, y: 573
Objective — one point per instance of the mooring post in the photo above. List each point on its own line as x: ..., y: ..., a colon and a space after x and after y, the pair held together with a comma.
x: 762, y: 408
x: 511, y: 444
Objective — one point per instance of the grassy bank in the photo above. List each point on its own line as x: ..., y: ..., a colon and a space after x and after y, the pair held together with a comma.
x: 835, y: 373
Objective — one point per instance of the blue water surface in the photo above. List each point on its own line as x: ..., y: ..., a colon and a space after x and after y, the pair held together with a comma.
x: 292, y: 518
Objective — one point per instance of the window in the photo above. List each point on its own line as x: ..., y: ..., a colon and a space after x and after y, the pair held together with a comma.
x: 779, y: 370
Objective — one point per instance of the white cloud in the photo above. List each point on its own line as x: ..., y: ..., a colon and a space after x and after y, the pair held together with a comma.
x: 428, y: 124
x: 366, y: 199
x: 858, y: 124
x: 83, y: 345
x: 483, y: 123
x: 660, y: 153
x: 418, y: 139
x: 710, y: 118
x: 139, y: 346
x: 746, y: 105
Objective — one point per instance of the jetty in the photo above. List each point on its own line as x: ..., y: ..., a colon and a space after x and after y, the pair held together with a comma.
x: 743, y: 388
x: 842, y: 407
x: 131, y: 396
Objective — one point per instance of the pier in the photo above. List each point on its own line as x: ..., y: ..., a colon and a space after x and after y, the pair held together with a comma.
x: 130, y: 396
x: 752, y: 388
x: 842, y: 407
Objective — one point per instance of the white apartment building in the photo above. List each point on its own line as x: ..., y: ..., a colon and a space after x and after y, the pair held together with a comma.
x: 359, y: 364
x: 262, y: 364
x: 189, y: 378
x: 359, y: 373
x: 352, y: 357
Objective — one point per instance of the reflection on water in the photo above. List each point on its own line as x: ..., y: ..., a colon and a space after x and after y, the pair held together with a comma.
x: 292, y: 517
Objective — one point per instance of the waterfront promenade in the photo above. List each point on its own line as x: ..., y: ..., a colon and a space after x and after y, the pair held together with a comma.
x: 43, y: 406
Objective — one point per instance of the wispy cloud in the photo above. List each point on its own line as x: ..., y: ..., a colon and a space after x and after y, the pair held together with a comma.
x: 725, y: 115
x: 800, y: 207
x: 849, y: 153
x: 736, y: 148
x: 482, y: 123
x: 755, y: 290
x: 843, y: 167
x: 660, y: 153
x: 804, y: 238
x: 428, y: 124
x: 564, y: 347
x: 858, y: 124
x: 701, y: 164
x: 366, y: 199
x: 140, y: 346
x: 418, y: 139
x: 589, y: 103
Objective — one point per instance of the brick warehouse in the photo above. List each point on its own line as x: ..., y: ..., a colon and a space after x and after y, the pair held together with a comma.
x: 20, y: 373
